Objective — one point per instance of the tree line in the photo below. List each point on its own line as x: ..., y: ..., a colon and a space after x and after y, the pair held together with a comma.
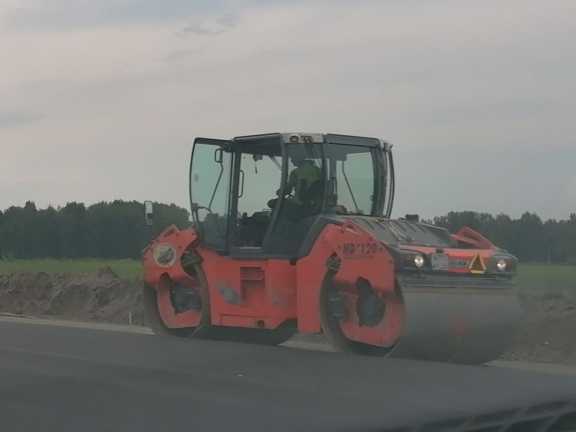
x: 104, y: 230
x: 117, y: 230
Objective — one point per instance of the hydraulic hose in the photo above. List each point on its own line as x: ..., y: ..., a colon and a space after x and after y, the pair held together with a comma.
x: 391, y: 184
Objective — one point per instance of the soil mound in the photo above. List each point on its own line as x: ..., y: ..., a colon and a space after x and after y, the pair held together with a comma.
x: 100, y: 296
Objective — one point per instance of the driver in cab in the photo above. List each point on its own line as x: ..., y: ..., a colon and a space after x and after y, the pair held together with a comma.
x: 303, y: 187
x: 303, y: 179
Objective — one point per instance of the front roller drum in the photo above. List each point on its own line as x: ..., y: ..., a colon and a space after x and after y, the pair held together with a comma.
x: 458, y: 325
x: 357, y: 319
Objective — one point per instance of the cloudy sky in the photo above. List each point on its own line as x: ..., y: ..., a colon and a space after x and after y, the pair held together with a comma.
x: 101, y: 99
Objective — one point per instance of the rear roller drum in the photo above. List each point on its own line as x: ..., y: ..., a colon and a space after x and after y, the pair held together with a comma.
x: 199, y: 309
x: 153, y: 319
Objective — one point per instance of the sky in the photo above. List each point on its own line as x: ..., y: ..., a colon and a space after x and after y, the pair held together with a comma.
x: 101, y: 100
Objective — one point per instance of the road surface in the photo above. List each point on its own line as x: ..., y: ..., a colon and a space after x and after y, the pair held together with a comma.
x: 55, y: 378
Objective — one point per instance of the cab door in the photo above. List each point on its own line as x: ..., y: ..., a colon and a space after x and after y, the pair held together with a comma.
x: 210, y: 185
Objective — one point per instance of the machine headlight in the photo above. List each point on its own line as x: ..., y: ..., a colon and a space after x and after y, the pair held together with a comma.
x: 501, y: 265
x: 419, y: 261
x: 164, y: 255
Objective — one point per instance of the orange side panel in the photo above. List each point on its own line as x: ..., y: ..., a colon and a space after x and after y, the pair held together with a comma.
x: 281, y: 285
x: 249, y: 293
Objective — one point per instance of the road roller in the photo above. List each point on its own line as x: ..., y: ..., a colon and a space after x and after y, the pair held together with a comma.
x: 292, y: 233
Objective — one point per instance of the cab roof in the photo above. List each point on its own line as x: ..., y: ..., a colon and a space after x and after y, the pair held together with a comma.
x: 301, y: 137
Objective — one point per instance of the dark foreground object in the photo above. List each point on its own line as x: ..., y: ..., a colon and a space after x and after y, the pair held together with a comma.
x: 60, y: 379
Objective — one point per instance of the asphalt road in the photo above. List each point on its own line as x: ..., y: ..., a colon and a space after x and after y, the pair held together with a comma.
x: 56, y: 378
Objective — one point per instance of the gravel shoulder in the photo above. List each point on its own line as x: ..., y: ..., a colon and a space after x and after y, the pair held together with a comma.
x: 548, y: 332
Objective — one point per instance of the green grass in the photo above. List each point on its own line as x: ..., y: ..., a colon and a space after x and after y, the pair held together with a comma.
x: 546, y: 276
x: 530, y: 276
x: 127, y: 269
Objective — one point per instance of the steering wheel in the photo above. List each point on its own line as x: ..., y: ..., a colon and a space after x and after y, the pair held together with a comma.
x: 287, y: 195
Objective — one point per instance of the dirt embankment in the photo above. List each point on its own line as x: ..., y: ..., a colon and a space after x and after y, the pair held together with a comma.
x: 548, y: 333
x: 100, y: 296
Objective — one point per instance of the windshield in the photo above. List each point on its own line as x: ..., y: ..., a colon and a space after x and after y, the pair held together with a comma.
x: 351, y: 179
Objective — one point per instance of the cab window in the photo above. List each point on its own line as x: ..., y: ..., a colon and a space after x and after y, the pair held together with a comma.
x: 260, y: 173
x: 351, y: 179
x: 209, y: 191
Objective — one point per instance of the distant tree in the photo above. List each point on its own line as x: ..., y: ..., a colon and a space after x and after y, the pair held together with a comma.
x: 567, y: 239
x: 73, y: 230
x: 530, y: 241
x: 1, y: 245
x: 46, y: 239
x: 104, y: 230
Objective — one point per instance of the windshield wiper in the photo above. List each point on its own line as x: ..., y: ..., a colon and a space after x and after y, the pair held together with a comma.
x: 217, y: 184
x: 273, y: 159
x: 350, y: 189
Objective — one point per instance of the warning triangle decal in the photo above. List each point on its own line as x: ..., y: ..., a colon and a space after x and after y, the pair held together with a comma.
x: 477, y: 265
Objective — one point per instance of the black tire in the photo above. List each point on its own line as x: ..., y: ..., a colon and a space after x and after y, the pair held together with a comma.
x: 333, y: 330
